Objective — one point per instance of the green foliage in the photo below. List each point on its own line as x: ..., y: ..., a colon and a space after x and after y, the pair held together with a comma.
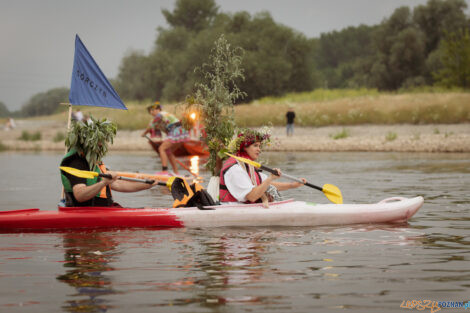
x: 91, y: 139
x: 278, y: 59
x: 399, y: 53
x: 4, y: 112
x: 455, y: 58
x: 342, y: 134
x: 26, y: 136
x: 215, y: 96
x: 59, y: 136
x: 439, y: 17
x: 3, y: 147
x: 45, y: 103
x: 193, y: 15
x: 391, y: 136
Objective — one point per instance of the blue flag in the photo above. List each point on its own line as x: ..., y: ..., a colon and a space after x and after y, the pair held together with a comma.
x: 89, y: 86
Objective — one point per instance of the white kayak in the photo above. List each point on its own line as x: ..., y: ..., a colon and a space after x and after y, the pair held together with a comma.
x: 300, y: 213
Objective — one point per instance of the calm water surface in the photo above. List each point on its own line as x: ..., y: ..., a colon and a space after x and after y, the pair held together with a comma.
x: 360, y: 268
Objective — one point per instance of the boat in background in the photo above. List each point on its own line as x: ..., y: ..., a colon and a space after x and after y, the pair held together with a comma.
x: 188, y: 148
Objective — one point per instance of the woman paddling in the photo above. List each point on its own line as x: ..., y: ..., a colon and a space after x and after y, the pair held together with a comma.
x: 87, y: 143
x: 176, y: 135
x: 241, y: 182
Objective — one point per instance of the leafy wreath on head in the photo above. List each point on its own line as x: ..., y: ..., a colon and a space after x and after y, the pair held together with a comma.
x: 91, y: 138
x: 262, y: 135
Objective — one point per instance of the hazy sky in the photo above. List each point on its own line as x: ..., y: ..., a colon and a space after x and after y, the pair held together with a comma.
x: 37, y: 36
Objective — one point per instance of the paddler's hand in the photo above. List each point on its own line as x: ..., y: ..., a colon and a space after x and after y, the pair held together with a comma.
x: 297, y: 184
x: 109, y: 181
x: 274, y: 177
x: 155, y: 183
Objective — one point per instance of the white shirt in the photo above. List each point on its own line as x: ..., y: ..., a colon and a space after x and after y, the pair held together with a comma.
x: 238, y: 182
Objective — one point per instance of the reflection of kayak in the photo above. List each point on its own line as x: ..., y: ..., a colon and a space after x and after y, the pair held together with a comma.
x: 190, y: 147
x: 284, y: 213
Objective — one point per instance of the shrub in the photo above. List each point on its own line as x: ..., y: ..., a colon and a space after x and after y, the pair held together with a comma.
x: 391, y: 136
x: 342, y: 134
x: 59, y: 136
x: 26, y: 136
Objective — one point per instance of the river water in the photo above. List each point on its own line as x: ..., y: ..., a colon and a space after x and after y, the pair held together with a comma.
x: 355, y: 268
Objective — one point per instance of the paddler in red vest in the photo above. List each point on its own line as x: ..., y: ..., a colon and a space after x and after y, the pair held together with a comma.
x: 241, y: 182
x: 87, y: 143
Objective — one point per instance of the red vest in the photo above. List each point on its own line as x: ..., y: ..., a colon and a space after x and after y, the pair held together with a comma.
x: 224, y: 193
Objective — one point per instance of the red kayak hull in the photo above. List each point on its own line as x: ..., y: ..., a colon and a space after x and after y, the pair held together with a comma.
x: 191, y: 147
x: 86, y: 218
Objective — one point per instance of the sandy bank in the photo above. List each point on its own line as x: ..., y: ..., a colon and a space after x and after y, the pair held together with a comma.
x: 411, y: 138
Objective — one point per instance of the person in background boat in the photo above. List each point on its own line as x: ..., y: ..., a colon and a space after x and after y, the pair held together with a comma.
x: 10, y: 124
x: 175, y: 135
x: 290, y: 116
x: 87, y: 143
x: 240, y: 182
x: 155, y: 133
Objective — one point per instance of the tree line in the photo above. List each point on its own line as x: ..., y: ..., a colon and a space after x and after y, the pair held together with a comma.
x: 424, y: 46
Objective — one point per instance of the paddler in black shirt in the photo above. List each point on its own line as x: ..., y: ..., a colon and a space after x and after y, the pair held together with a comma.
x: 87, y: 143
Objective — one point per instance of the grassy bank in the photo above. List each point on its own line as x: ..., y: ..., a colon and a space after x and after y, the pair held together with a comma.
x: 354, y: 107
x: 322, y: 108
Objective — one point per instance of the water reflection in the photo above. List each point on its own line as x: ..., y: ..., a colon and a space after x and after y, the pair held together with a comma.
x: 87, y: 258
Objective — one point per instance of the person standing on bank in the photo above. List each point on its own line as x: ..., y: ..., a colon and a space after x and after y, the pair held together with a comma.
x: 87, y: 143
x: 290, y: 116
x: 175, y: 135
x: 241, y: 182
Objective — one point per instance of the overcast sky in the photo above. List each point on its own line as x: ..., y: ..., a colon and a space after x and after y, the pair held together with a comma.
x: 37, y: 36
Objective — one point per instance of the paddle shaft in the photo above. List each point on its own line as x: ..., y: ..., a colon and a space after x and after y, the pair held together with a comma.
x: 272, y: 171
x: 147, y: 181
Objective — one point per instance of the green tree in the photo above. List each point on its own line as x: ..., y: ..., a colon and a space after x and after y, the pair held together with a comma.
x: 133, y: 81
x: 455, y: 58
x: 45, y: 103
x: 438, y: 17
x: 193, y: 15
x: 215, y: 96
x: 342, y: 56
x: 277, y: 59
x: 4, y: 112
x: 400, y: 52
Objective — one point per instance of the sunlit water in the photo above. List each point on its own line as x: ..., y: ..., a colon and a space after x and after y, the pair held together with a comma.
x: 357, y: 268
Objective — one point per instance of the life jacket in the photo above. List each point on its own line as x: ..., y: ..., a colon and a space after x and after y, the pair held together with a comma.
x: 224, y: 194
x: 104, y: 193
x: 186, y: 195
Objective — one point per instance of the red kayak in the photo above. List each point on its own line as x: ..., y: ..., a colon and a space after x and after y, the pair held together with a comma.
x: 191, y: 147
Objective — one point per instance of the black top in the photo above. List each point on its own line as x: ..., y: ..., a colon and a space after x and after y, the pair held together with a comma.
x: 81, y: 163
x: 290, y: 115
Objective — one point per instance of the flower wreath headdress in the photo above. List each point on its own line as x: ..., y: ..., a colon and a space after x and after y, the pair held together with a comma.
x: 246, y: 137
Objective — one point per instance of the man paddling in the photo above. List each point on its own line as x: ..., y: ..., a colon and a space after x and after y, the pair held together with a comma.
x: 87, y: 143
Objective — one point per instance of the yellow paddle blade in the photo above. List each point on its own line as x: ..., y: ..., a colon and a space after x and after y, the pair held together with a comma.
x: 79, y: 173
x: 169, y: 182
x: 333, y: 193
x: 245, y: 160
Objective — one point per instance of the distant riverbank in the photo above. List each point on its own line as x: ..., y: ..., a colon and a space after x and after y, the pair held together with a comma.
x: 401, y: 137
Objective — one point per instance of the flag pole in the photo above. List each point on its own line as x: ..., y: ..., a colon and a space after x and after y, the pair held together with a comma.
x: 69, y: 120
